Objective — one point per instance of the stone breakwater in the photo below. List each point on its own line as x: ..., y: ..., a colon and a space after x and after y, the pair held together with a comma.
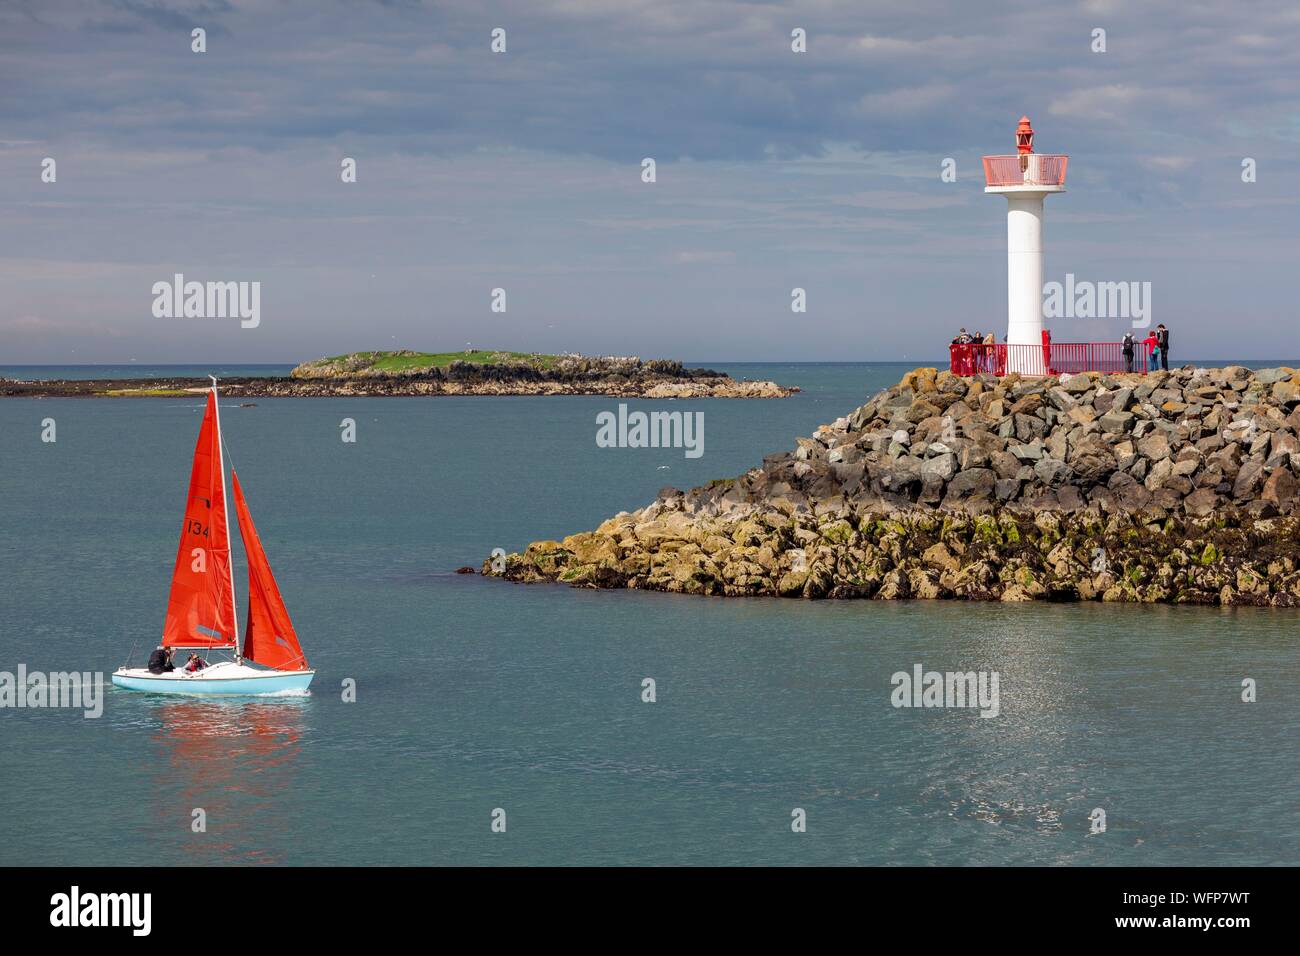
x: 1175, y: 487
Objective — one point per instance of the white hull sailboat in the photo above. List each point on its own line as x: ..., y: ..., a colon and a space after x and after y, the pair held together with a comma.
x: 201, y: 607
x: 223, y: 679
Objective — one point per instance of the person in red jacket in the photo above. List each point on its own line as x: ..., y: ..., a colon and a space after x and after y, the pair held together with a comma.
x: 1152, y: 345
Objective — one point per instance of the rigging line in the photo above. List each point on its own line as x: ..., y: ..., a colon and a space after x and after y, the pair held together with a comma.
x: 225, y: 449
x: 224, y: 452
x: 302, y: 656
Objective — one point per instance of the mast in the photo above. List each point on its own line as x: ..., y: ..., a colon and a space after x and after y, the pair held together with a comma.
x: 221, y: 463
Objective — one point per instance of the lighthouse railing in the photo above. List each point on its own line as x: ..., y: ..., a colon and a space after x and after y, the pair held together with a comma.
x: 1031, y: 169
x: 1053, y: 358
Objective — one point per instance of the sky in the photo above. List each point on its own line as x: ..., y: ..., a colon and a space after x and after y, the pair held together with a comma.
x: 523, y: 170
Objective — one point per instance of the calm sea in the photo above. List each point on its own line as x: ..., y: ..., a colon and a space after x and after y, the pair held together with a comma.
x: 474, y: 694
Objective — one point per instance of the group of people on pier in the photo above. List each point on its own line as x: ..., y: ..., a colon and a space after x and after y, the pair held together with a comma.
x: 1155, y: 346
x: 981, y: 356
x: 976, y: 353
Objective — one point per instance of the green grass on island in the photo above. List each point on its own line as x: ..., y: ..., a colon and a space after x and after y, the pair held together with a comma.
x: 406, y: 361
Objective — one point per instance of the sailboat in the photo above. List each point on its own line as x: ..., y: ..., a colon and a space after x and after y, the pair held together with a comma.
x: 201, y: 612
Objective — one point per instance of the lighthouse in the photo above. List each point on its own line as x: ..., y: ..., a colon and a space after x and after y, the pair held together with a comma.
x: 1026, y: 179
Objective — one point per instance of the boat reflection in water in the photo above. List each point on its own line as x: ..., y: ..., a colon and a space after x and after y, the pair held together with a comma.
x: 237, y: 761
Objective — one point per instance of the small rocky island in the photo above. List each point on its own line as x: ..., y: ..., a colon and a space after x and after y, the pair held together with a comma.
x: 473, y: 372
x: 1174, y: 487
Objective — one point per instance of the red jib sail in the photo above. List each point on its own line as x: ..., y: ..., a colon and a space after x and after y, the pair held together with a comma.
x: 269, y: 637
x: 201, y: 606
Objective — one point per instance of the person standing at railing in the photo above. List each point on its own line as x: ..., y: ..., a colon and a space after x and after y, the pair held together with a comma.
x: 1152, y: 346
x: 1127, y: 346
x: 1162, y: 342
x: 962, y: 352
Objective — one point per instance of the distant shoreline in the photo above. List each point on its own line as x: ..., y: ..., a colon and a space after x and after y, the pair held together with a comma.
x: 144, y: 372
x: 408, y: 373
x: 385, y: 388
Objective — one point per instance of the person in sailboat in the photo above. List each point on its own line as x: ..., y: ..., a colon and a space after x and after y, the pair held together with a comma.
x: 160, y: 661
x: 195, y: 664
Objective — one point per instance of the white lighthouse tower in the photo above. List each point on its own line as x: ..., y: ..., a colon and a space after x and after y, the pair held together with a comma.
x: 1026, y: 179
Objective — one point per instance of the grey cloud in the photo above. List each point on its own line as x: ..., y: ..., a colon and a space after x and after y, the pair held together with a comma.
x: 775, y: 169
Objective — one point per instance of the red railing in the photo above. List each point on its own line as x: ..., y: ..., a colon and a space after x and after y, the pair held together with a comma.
x: 1056, y: 358
x: 1032, y: 169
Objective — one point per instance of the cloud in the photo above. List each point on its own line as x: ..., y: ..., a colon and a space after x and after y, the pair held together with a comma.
x: 894, y: 199
x: 703, y: 257
x: 37, y: 329
x: 521, y: 169
x: 1167, y: 163
x: 908, y: 102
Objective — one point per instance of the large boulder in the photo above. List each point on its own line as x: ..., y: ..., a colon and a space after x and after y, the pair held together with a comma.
x: 1052, y: 471
x: 1280, y: 489
x: 1117, y: 423
x: 1201, y: 502
x: 1249, y: 479
x: 974, y: 483
x: 942, y: 466
x: 1154, y: 447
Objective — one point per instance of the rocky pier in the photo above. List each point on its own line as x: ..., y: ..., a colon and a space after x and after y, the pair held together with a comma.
x: 1177, y: 487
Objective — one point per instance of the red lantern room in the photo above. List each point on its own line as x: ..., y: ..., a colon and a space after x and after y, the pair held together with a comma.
x: 1026, y: 169
x: 1024, y: 136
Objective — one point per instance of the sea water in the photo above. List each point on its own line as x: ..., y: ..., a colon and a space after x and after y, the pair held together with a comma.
x: 474, y: 695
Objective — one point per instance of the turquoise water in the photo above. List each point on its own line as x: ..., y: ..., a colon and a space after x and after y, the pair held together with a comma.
x: 475, y: 694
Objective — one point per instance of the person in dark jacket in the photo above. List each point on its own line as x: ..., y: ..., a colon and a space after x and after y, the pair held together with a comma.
x: 160, y: 661
x: 1128, y: 343
x: 1162, y: 340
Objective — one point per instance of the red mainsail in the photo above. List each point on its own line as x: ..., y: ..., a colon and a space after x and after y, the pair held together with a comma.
x: 201, y: 606
x: 269, y: 638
